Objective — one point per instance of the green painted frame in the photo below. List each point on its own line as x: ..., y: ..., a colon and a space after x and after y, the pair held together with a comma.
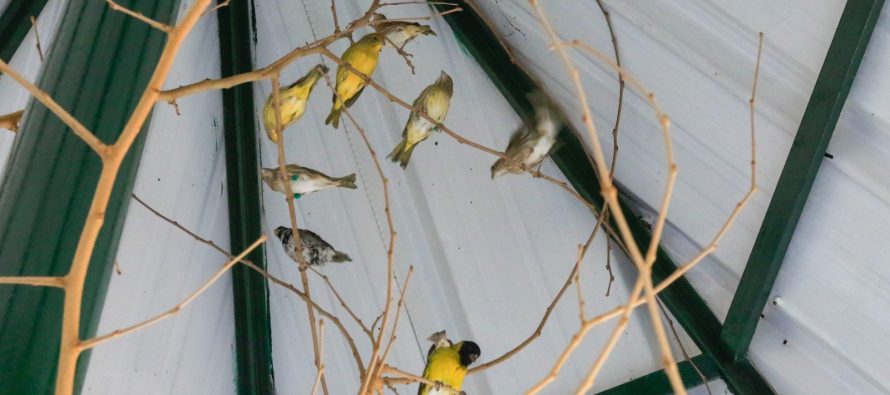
x: 253, y: 330
x: 51, y: 177
x: 819, y: 120
x: 15, y: 22
x: 657, y: 383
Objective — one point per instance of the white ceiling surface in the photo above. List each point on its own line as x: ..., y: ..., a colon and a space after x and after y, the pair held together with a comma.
x: 488, y: 256
x: 833, y: 286
x: 27, y: 62
x: 181, y: 174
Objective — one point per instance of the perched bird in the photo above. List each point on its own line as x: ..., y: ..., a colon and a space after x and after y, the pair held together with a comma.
x: 304, y: 180
x: 447, y: 363
x: 400, y: 33
x: 362, y: 56
x: 292, y: 101
x: 316, y: 251
x: 434, y: 100
x: 530, y: 144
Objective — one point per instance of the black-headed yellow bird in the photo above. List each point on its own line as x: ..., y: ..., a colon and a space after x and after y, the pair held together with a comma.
x: 362, y: 56
x: 292, y: 101
x: 530, y: 144
x: 447, y: 364
x: 434, y: 100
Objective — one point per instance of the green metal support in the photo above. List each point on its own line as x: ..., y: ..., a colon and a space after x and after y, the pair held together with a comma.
x: 15, y: 23
x: 100, y: 64
x: 253, y: 332
x: 819, y: 120
x: 681, y: 298
x: 656, y: 383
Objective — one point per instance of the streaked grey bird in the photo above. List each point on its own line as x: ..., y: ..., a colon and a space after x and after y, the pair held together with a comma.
x: 316, y: 251
x: 530, y: 144
x: 304, y: 180
x: 434, y: 101
x: 400, y: 33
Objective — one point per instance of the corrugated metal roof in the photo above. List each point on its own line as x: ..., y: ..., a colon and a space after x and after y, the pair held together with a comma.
x: 489, y: 255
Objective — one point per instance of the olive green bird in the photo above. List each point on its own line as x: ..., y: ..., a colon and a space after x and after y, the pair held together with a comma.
x: 532, y: 143
x: 400, y: 33
x: 434, y: 101
x: 447, y: 364
x: 292, y: 101
x: 362, y: 56
x: 304, y: 180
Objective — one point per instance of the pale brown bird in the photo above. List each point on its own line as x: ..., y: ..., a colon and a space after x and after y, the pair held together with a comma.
x: 434, y: 101
x: 304, y: 180
x: 400, y: 33
x: 530, y: 144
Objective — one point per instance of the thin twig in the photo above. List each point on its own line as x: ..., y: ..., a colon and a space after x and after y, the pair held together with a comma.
x: 374, y: 370
x: 11, y: 121
x: 320, y: 373
x: 408, y: 378
x: 582, y: 251
x: 334, y: 13
x: 90, y: 343
x: 140, y: 16
x: 395, y: 324
x: 37, y: 37
x: 607, y: 16
x: 295, y: 233
x: 218, y: 6
x: 610, y: 195
x: 81, y: 131
x: 609, y: 267
x: 689, y: 360
x: 343, y: 303
x: 268, y: 276
x: 35, y: 281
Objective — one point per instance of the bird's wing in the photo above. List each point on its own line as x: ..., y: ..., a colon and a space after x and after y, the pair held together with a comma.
x: 305, y: 171
x: 310, y: 237
x: 519, y: 143
x: 354, y: 97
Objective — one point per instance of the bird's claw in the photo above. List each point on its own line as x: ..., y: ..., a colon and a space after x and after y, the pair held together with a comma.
x: 438, y: 385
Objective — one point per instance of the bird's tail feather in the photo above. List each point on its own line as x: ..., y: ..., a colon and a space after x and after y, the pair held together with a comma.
x: 340, y: 257
x: 397, y: 151
x: 334, y: 117
x: 347, y: 181
x: 405, y: 156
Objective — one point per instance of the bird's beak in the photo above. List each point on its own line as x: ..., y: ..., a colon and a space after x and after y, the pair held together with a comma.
x: 429, y: 30
x: 473, y: 357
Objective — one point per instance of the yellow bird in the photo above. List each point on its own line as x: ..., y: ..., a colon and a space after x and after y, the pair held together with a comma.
x: 447, y: 364
x: 362, y: 56
x: 434, y: 101
x: 292, y: 101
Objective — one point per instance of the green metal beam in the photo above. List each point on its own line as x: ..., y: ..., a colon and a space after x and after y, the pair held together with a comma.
x: 99, y: 66
x: 819, y: 120
x: 253, y: 331
x: 15, y: 23
x: 681, y: 298
x: 656, y: 383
